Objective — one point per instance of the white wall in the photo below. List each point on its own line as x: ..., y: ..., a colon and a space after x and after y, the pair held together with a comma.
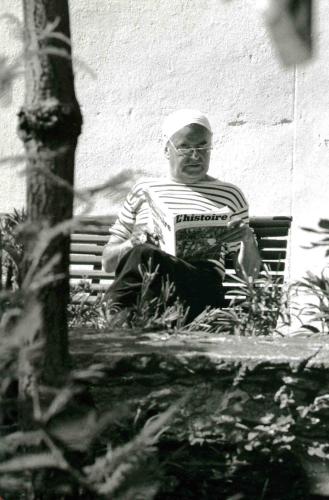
x: 151, y: 57
x: 310, y: 188
x: 12, y: 184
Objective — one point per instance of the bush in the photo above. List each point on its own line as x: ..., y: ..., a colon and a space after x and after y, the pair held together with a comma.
x: 54, y: 443
x: 12, y: 249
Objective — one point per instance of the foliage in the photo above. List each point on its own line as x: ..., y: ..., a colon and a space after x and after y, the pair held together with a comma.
x: 264, y: 303
x: 12, y: 248
x: 162, y: 312
x: 323, y: 230
x: 314, y: 289
x: 85, y: 309
x: 60, y: 448
x: 10, y: 70
x: 315, y: 292
x: 59, y: 451
x: 257, y: 314
x: 150, y: 313
x: 64, y: 430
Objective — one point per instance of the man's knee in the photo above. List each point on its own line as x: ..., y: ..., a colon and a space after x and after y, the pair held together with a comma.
x: 147, y: 253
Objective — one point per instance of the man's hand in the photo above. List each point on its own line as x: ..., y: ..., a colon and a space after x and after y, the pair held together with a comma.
x: 247, y: 261
x: 116, y: 248
x: 142, y: 235
x: 237, y: 230
x: 138, y: 236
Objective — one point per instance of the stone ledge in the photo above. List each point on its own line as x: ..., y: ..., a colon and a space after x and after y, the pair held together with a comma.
x: 232, y: 384
x: 109, y: 348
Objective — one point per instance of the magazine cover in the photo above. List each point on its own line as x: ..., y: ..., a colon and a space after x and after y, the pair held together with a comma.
x: 188, y: 235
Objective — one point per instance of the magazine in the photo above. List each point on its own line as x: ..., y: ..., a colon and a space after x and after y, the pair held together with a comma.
x: 191, y: 235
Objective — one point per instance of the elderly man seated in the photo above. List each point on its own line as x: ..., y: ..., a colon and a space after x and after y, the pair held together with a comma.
x: 197, y: 283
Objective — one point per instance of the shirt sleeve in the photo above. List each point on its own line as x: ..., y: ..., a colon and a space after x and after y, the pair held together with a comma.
x: 241, y: 212
x: 132, y: 211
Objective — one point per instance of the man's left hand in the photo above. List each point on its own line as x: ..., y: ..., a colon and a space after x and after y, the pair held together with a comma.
x: 237, y: 230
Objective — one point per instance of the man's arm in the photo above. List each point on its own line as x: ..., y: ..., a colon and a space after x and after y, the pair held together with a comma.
x: 122, y: 232
x: 116, y: 247
x: 247, y: 261
x: 113, y: 251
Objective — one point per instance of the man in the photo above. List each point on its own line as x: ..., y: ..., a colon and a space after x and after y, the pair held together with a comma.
x: 198, y: 284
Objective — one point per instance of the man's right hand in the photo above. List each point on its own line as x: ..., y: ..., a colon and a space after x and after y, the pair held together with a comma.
x: 142, y: 235
x: 115, y: 249
x: 138, y: 237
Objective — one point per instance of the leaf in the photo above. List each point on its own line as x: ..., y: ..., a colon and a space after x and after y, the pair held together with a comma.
x: 308, y: 229
x: 17, y: 439
x: 49, y: 32
x: 140, y: 491
x: 10, y: 483
x: 76, y: 431
x: 324, y: 223
x: 156, y: 425
x: 267, y: 419
x: 14, y: 160
x: 8, y: 73
x: 26, y: 328
x: 58, y: 404
x: 317, y: 451
x: 311, y: 328
x: 31, y: 461
x: 252, y: 435
x: 123, y: 461
x: 321, y: 402
x: 59, y: 52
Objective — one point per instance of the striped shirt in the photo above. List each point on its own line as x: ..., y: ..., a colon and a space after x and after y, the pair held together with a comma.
x: 198, y: 197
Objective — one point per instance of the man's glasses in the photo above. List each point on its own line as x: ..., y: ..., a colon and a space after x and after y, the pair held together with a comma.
x: 190, y: 151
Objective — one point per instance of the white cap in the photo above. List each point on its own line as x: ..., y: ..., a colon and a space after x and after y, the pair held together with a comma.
x: 181, y: 118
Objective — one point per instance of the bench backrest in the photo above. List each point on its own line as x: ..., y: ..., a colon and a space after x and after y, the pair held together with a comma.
x: 87, y: 246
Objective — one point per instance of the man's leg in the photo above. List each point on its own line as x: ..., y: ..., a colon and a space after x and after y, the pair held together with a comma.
x: 201, y: 288
x: 126, y: 289
x: 195, y: 285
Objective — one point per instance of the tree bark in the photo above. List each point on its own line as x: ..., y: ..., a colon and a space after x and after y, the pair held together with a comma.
x: 49, y: 125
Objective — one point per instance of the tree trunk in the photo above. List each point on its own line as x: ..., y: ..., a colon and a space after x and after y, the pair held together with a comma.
x: 49, y: 125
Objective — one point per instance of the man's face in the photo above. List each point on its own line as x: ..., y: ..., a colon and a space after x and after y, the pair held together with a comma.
x: 189, y: 165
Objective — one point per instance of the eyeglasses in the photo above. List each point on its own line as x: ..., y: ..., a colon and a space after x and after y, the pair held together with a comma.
x: 190, y: 151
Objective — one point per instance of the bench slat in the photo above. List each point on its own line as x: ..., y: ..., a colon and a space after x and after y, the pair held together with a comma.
x: 90, y: 238
x: 272, y: 231
x: 277, y: 255
x: 90, y: 273
x: 85, y: 259
x: 95, y: 234
x: 86, y: 248
x: 102, y: 240
x: 272, y: 243
x: 106, y: 220
x: 278, y: 220
x: 94, y: 249
x: 97, y: 230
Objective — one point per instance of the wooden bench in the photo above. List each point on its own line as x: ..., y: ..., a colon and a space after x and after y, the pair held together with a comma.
x: 87, y: 246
